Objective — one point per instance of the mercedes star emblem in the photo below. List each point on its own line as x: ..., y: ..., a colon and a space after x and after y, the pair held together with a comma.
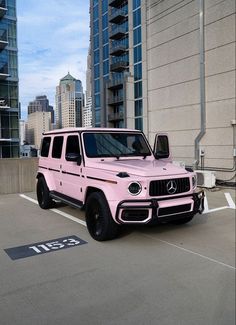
x: 171, y: 187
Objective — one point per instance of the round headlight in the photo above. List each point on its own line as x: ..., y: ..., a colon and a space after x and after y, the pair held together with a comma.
x: 134, y: 188
x: 194, y: 181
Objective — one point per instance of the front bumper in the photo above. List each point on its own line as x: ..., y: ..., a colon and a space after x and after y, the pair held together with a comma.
x: 159, y: 210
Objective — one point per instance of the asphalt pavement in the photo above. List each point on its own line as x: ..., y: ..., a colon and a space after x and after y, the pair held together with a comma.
x: 53, y: 272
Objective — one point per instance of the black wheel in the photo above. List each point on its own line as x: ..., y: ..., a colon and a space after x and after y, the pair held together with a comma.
x: 44, y: 200
x: 183, y: 220
x: 100, y: 223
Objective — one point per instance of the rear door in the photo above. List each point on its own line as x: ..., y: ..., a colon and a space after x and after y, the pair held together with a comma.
x: 72, y: 178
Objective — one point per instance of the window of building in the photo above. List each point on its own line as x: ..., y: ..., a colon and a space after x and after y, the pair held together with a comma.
x: 139, y: 123
x: 97, y: 100
x: 138, y: 71
x: 137, y: 35
x: 137, y: 53
x: 105, y: 51
x: 105, y: 21
x: 97, y: 86
x: 138, y: 89
x: 138, y: 108
x: 95, y: 12
x: 136, y: 4
x: 137, y: 17
x: 45, y: 146
x: 105, y: 36
x: 106, y: 67
x: 57, y: 147
x: 96, y: 56
x: 96, y: 71
x: 96, y: 27
x: 104, y: 5
x: 96, y: 41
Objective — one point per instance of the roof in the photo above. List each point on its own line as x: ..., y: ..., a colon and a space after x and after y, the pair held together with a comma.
x: 89, y: 129
x: 67, y: 79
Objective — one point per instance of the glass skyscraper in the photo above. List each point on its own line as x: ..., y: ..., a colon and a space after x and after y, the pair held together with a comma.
x: 9, y: 103
x: 116, y: 53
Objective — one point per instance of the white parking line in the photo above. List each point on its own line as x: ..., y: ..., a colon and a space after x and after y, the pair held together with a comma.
x: 64, y: 214
x: 230, y: 201
x: 192, y: 252
x: 68, y: 216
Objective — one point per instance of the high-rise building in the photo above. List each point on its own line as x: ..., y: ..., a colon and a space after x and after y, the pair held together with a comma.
x: 117, y: 61
x: 41, y: 104
x: 69, y: 102
x: 87, y: 111
x: 9, y: 102
x: 170, y: 67
x: 38, y: 123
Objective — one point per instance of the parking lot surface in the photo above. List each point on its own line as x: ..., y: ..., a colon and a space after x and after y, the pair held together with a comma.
x: 163, y: 274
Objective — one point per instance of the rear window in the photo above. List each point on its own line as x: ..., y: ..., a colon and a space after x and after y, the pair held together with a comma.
x: 57, y: 147
x: 45, y: 146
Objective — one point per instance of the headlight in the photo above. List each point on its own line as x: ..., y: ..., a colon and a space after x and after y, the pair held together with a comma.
x: 135, y: 188
x: 194, y: 181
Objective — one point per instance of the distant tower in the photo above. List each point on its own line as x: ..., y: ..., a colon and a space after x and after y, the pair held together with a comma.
x: 87, y: 112
x: 41, y: 104
x: 69, y: 102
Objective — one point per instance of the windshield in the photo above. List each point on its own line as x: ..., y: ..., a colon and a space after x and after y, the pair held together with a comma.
x: 115, y: 145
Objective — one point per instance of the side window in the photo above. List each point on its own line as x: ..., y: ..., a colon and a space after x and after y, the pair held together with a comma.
x: 72, y: 145
x: 57, y: 147
x: 45, y: 146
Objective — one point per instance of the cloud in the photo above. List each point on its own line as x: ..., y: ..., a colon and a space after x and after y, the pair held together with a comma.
x: 53, y: 38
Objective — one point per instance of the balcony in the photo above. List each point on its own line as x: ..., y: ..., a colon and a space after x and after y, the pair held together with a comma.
x: 116, y: 83
x: 116, y: 3
x: 119, y: 66
x: 3, y: 104
x: 4, y: 72
x: 115, y: 100
x: 118, y: 50
x: 118, y: 32
x: 3, y: 8
x: 115, y: 117
x: 3, y: 39
x: 118, y: 15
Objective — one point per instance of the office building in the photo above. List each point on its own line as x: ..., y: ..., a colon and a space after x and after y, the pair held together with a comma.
x: 168, y: 66
x: 87, y: 111
x: 69, y: 102
x: 41, y: 104
x: 9, y: 102
x: 38, y: 123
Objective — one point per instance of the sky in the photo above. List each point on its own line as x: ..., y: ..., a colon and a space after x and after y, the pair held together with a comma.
x: 53, y: 39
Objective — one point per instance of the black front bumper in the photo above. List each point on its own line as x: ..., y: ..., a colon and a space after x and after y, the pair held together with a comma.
x: 147, y: 211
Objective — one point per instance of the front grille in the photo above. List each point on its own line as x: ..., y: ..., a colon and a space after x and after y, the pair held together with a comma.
x: 174, y: 210
x: 159, y: 188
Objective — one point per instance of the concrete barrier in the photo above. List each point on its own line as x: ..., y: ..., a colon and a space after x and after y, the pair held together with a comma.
x: 18, y: 175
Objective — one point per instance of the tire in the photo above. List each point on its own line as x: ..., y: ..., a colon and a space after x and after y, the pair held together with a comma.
x: 184, y: 220
x: 100, y: 223
x: 43, y: 196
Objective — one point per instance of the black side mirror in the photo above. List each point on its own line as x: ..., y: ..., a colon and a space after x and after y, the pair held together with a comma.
x: 161, y: 147
x: 76, y: 157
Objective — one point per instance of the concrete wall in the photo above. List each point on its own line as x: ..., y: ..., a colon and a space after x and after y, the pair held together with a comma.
x: 18, y: 175
x: 173, y: 49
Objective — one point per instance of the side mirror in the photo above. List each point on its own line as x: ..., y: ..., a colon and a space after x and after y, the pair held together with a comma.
x: 76, y: 157
x: 161, y: 146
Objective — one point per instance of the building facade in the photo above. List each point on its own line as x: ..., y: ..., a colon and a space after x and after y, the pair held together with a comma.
x: 38, y: 123
x: 9, y: 101
x: 69, y: 102
x: 41, y: 104
x: 167, y: 66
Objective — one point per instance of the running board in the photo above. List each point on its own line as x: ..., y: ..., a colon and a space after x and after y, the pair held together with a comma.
x: 66, y: 199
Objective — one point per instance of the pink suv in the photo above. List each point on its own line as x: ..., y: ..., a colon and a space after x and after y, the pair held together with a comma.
x: 116, y: 177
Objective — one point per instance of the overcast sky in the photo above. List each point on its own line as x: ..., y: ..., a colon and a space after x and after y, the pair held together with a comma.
x: 53, y: 38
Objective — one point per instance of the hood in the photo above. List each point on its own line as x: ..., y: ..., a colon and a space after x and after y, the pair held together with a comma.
x: 140, y: 167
